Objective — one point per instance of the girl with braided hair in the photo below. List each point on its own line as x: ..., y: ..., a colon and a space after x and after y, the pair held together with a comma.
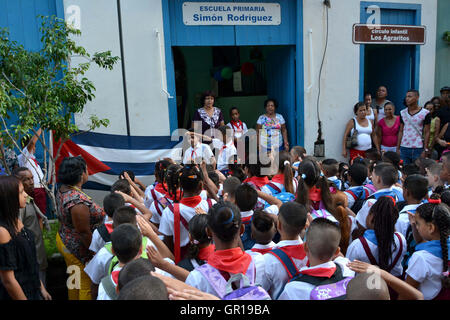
x: 185, y: 185
x: 157, y: 189
x: 163, y: 195
x: 380, y: 244
x: 428, y: 268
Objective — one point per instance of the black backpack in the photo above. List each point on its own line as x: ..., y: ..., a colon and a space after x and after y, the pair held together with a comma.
x: 104, y: 233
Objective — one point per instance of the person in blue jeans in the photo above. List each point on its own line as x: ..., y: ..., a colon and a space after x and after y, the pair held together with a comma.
x: 414, y: 129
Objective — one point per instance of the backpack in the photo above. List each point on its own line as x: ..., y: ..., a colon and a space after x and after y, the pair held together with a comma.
x: 360, y: 195
x: 333, y: 288
x: 280, y: 194
x: 115, y: 261
x: 109, y: 287
x: 103, y: 232
x: 247, y: 289
x: 246, y: 237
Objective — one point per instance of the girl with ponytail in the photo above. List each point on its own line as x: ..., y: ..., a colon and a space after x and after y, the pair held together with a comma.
x: 284, y: 180
x: 159, y: 188
x: 314, y: 193
x: 428, y: 268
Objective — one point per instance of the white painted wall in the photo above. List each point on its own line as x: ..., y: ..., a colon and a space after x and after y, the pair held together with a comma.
x: 340, y: 73
x: 144, y: 72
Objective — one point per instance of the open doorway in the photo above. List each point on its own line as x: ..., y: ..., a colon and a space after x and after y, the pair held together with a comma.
x: 241, y: 76
x: 391, y: 66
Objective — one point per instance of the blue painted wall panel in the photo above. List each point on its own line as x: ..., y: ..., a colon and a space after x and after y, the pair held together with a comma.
x: 284, y: 34
x: 182, y: 35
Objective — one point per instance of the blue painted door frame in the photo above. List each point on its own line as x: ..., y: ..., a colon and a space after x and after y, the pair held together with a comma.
x: 290, y: 32
x: 394, y: 13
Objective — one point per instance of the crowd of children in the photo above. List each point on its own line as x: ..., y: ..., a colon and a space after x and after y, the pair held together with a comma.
x: 294, y: 229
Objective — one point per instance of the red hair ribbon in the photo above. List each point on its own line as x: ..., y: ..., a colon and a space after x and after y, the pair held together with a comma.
x: 434, y: 201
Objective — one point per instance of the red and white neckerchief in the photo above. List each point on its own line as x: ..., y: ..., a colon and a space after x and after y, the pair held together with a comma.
x: 115, y: 275
x: 237, y: 125
x: 193, y: 153
x: 296, y: 251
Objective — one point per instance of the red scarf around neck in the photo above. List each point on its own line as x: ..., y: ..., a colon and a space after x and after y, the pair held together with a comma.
x: 237, y: 124
x: 278, y: 178
x: 230, y: 260
x: 191, y: 201
x: 319, y: 272
x: 204, y: 253
x: 258, y: 181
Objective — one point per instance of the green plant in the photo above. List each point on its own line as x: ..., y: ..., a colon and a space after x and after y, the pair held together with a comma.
x: 44, y: 90
x: 50, y: 238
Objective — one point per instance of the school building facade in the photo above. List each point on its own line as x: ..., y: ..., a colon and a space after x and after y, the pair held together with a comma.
x: 301, y: 52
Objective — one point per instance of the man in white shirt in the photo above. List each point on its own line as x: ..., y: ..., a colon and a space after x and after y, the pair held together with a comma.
x: 28, y: 160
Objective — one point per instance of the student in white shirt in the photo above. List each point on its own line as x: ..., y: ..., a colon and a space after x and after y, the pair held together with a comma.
x: 380, y: 245
x: 126, y: 241
x: 197, y: 151
x: 428, y: 268
x: 156, y: 190
x: 263, y: 229
x: 414, y: 191
x: 330, y: 169
x: 384, y: 176
x: 225, y: 228
x: 284, y: 180
x: 239, y: 127
x: 102, y: 234
x: 189, y: 182
x: 287, y: 256
x: 325, y: 269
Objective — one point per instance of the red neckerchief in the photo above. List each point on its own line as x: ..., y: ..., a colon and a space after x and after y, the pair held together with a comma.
x: 238, y: 125
x: 258, y: 181
x: 261, y: 250
x: 159, y: 188
x: 296, y: 251
x: 204, y: 253
x: 191, y: 201
x: 179, y: 194
x: 230, y: 260
x: 319, y: 272
x: 109, y: 227
x: 192, y: 153
x: 278, y: 178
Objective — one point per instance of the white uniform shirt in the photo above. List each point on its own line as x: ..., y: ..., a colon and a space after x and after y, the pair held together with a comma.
x: 197, y: 280
x: 402, y: 223
x: 276, y: 276
x: 426, y: 268
x: 260, y: 246
x: 149, y: 199
x: 28, y: 160
x: 356, y: 251
x: 201, y: 150
x: 166, y: 226
x: 97, y: 241
x: 298, y: 290
x: 224, y: 154
x: 238, y: 132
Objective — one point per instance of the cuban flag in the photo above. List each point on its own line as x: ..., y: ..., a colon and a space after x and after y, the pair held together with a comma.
x: 107, y: 155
